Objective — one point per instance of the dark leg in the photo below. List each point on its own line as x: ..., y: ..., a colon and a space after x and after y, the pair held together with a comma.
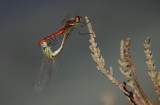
x: 82, y: 33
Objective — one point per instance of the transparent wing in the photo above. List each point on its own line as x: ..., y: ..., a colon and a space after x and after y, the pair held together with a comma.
x: 44, y: 74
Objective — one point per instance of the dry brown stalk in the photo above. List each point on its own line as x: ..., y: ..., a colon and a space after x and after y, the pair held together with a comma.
x: 125, y: 67
x: 129, y: 60
x: 155, y: 77
x: 133, y: 97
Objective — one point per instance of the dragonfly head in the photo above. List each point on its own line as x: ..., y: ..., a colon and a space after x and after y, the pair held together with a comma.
x: 78, y: 19
x: 44, y: 45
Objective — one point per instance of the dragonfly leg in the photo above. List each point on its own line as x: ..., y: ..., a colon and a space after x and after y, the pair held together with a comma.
x: 84, y: 23
x: 52, y: 41
x: 83, y: 33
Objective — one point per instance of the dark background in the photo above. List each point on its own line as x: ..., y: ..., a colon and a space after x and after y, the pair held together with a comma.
x: 77, y: 81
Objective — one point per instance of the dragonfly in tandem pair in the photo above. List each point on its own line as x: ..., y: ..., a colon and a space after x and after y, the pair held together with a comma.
x: 48, y: 63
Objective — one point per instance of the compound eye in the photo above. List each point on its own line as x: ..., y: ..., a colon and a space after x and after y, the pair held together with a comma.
x: 78, y: 19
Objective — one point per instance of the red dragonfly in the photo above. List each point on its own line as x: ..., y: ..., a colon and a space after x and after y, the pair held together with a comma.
x: 69, y: 24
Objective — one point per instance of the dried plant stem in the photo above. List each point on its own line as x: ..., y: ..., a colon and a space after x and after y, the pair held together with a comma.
x: 133, y: 97
x: 125, y: 67
x: 150, y: 63
x: 129, y: 59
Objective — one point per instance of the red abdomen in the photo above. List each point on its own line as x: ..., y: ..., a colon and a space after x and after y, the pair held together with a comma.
x: 61, y: 31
